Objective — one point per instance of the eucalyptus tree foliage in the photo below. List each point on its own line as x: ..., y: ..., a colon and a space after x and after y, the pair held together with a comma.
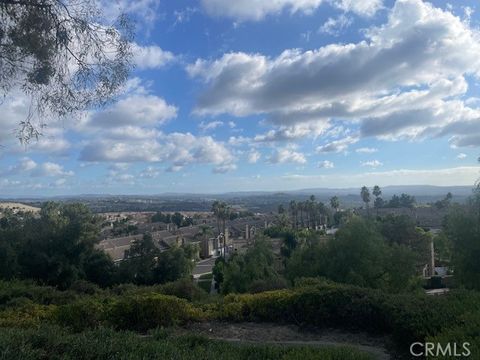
x: 63, y: 55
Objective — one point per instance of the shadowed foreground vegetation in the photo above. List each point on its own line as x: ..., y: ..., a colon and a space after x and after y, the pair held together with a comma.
x: 56, y: 343
x: 29, y: 313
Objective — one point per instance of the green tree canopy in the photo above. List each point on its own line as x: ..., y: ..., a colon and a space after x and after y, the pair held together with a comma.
x: 63, y: 54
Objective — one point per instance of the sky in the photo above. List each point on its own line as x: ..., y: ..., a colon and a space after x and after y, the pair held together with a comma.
x: 269, y: 95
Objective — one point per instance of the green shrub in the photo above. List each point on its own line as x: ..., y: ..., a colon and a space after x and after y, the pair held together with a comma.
x: 45, y: 295
x: 27, y: 316
x: 145, y: 312
x: 50, y: 342
x: 262, y: 285
x: 467, y: 331
x: 205, y: 285
x: 184, y: 289
x: 408, y: 318
x: 80, y: 315
x: 85, y: 287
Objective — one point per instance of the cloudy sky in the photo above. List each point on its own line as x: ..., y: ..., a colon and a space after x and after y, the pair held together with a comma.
x: 270, y: 95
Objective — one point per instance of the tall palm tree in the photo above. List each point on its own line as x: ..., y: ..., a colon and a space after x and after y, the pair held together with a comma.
x: 377, y: 192
x: 335, y: 203
x: 365, y: 194
x: 216, y: 211
x: 301, y: 208
x: 293, y: 208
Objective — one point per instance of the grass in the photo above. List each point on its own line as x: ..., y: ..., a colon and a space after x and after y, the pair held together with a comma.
x: 50, y: 342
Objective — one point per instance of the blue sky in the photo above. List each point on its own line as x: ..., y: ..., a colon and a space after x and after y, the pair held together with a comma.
x: 270, y: 95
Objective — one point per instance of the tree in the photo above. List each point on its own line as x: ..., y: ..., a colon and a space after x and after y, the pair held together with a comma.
x: 242, y: 271
x: 335, y: 203
x: 359, y: 255
x: 293, y: 209
x: 445, y: 203
x: 365, y: 194
x: 172, y: 265
x: 463, y: 229
x: 378, y: 202
x: 63, y: 55
x: 139, y: 262
x: 57, y: 247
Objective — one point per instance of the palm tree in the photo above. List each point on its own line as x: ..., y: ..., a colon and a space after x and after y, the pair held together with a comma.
x: 335, y: 203
x: 216, y: 212
x: 301, y: 207
x: 313, y: 210
x: 378, y: 200
x: 365, y: 194
x: 293, y: 208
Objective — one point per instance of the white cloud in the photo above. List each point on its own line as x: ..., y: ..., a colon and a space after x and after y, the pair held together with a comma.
x: 337, y: 145
x: 146, y: 10
x: 461, y: 156
x: 205, y: 126
x: 366, y: 150
x: 180, y: 149
x: 149, y: 173
x: 371, y: 163
x: 50, y: 169
x: 287, y: 155
x: 404, y: 80
x: 25, y: 164
x: 294, y: 132
x: 134, y: 110
x: 359, y: 7
x: 242, y: 10
x: 151, y: 57
x: 325, y: 164
x: 334, y: 26
x: 183, y: 16
x: 254, y: 156
x: 255, y: 10
x: 465, y: 176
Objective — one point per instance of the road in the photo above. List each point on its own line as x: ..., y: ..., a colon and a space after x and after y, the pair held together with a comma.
x: 203, y: 267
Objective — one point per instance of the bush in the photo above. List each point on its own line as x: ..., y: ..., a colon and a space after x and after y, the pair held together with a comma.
x: 80, y: 315
x: 85, y: 287
x: 468, y: 331
x: 44, y: 295
x: 145, y: 312
x: 50, y: 342
x: 26, y: 316
x: 184, y: 289
x: 262, y: 285
x: 407, y: 317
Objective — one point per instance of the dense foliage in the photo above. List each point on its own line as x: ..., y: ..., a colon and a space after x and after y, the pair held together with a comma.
x: 312, y: 302
x: 463, y: 230
x: 50, y: 342
x: 57, y: 247
x: 251, y: 271
x: 358, y: 255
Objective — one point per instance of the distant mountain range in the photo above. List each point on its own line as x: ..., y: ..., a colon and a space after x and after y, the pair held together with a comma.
x: 387, y: 191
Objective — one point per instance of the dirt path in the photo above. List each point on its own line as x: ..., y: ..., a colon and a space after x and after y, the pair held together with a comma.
x: 290, y: 335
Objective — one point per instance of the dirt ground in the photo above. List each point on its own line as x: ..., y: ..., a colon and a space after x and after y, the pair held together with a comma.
x: 291, y: 335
